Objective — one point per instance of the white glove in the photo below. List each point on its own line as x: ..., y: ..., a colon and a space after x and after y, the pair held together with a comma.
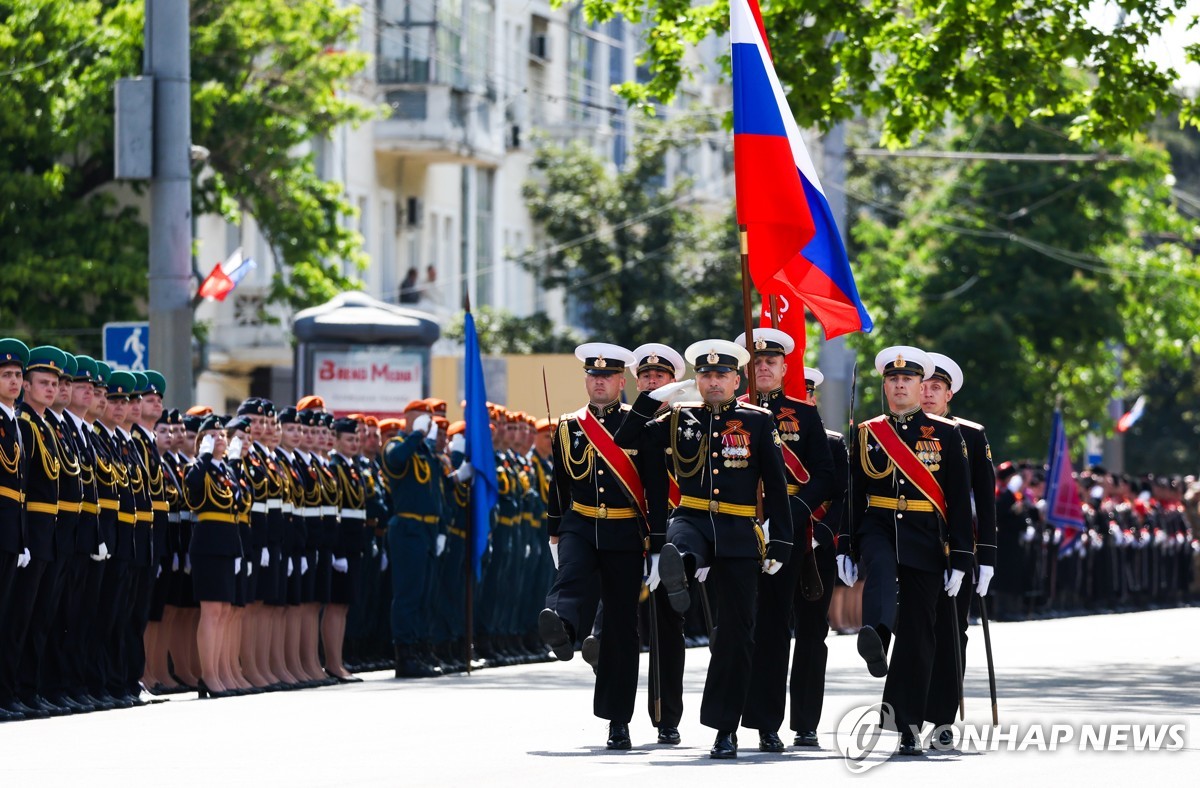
x: 101, y: 552
x: 158, y: 572
x: 1016, y: 483
x: 766, y: 526
x: 235, y: 448
x: 702, y: 573
x: 554, y: 553
x: 207, y: 443
x: 663, y: 393
x: 458, y: 444
x: 383, y: 563
x: 1030, y: 533
x: 303, y: 564
x: 249, y: 568
x: 652, y: 580
x: 237, y: 566
x: 340, y: 565
x: 771, y: 566
x: 289, y: 569
x: 528, y: 550
x: 953, y: 581
x: 985, y: 579
x: 464, y: 472
x: 440, y: 546
x: 23, y: 559
x: 187, y: 564
x: 433, y: 431
x: 421, y: 423
x: 847, y: 571
x: 266, y: 558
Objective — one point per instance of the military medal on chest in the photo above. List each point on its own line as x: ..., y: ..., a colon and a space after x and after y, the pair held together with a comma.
x: 735, y: 445
x: 929, y: 449
x: 787, y: 424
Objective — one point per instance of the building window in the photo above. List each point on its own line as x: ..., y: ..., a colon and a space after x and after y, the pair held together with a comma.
x: 444, y: 42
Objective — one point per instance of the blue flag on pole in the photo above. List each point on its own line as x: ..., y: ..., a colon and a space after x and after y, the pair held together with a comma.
x: 478, y: 434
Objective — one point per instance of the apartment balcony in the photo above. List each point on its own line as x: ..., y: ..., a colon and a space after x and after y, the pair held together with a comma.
x: 439, y: 123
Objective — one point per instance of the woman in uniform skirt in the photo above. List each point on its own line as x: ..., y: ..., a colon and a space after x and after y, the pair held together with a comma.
x: 213, y: 495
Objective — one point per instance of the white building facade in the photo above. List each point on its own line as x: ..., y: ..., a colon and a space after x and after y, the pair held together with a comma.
x: 437, y: 183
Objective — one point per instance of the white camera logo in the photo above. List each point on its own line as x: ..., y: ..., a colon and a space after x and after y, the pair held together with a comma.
x: 863, y: 736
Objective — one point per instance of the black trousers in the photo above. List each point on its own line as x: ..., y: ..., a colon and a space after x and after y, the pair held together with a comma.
x: 105, y: 664
x: 766, y: 698
x: 911, y: 664
x: 134, y: 646
x: 620, y: 575
x: 810, y: 654
x: 45, y: 607
x: 941, y: 704
x: 877, y: 566
x: 68, y: 650
x: 15, y: 629
x: 736, y: 586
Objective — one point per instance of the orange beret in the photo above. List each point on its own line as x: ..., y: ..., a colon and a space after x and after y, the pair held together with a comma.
x: 310, y: 402
x: 456, y: 428
x: 436, y: 405
x: 441, y: 421
x: 199, y: 410
x: 386, y: 425
x: 544, y: 425
x: 371, y: 421
x: 418, y: 404
x: 361, y: 419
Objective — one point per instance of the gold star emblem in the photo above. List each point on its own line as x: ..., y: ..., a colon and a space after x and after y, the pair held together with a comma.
x: 600, y: 362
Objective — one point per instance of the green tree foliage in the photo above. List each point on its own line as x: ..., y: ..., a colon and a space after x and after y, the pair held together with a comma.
x: 913, y: 63
x: 636, y: 258
x: 502, y: 332
x: 267, y: 75
x: 1038, y: 278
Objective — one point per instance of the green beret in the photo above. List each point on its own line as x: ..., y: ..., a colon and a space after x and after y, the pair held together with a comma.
x: 86, y: 370
x: 158, y: 384
x: 121, y: 384
x: 13, y: 351
x: 46, y: 358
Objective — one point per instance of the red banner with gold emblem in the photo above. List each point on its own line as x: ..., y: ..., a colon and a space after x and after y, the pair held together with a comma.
x: 907, y: 462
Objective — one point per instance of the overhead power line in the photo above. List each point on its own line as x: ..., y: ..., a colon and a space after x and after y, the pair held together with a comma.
x: 1053, y: 158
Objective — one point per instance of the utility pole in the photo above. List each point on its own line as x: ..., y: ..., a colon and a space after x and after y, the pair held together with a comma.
x: 167, y: 61
x: 835, y: 358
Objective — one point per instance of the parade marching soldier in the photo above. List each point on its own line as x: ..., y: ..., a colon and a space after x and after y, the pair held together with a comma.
x: 719, y: 451
x: 910, y: 531
x: 410, y: 466
x: 811, y: 618
x: 596, y: 528
x: 809, y: 481
x: 657, y: 365
x: 936, y: 393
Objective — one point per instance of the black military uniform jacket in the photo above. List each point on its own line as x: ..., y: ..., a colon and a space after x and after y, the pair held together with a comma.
x: 800, y: 428
x: 830, y: 522
x: 87, y: 531
x: 146, y: 446
x: 12, y: 484
x: 882, y: 498
x: 353, y: 535
x: 586, y: 496
x: 42, y: 469
x: 213, y: 492
x: 983, y: 488
x: 114, y: 497
x: 70, y: 484
x: 718, y: 454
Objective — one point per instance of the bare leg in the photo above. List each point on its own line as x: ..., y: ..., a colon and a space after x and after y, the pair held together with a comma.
x: 208, y: 638
x: 333, y: 633
x: 295, y: 623
x: 251, y: 622
x: 309, y: 639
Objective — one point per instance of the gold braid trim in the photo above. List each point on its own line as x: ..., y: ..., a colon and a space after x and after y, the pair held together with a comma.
x: 696, y: 462
x: 867, y: 466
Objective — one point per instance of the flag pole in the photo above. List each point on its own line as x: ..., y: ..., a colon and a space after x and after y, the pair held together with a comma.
x: 744, y: 243
x: 469, y: 553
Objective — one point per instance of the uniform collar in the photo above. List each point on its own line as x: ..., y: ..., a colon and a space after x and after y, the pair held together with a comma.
x: 601, y: 411
x: 906, y: 416
x: 765, y: 397
x: 722, y: 407
x: 10, y: 412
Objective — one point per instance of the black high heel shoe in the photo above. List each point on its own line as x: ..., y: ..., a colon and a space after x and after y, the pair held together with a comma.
x: 204, y: 692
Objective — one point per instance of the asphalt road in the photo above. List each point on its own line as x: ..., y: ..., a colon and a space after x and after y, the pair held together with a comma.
x: 532, y: 725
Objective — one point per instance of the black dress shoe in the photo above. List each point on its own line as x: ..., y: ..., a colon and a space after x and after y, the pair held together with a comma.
x: 725, y: 747
x: 769, y: 741
x: 806, y: 739
x: 553, y: 633
x: 102, y: 701
x: 67, y: 702
x: 870, y: 648
x: 10, y: 716
x: 39, y: 702
x: 618, y: 736
x: 408, y: 666
x: 27, y: 712
x: 673, y: 574
x: 668, y: 734
x: 591, y: 651
x: 945, y: 739
x: 909, y: 746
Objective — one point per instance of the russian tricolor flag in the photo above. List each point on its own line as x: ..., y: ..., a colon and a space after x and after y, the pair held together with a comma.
x: 226, y: 276
x: 794, y: 245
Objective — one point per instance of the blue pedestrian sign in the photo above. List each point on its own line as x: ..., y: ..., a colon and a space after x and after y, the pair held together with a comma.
x: 127, y: 345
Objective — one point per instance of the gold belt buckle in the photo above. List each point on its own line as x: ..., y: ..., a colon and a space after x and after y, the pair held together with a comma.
x: 714, y: 506
x: 902, y: 504
x: 603, y: 513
